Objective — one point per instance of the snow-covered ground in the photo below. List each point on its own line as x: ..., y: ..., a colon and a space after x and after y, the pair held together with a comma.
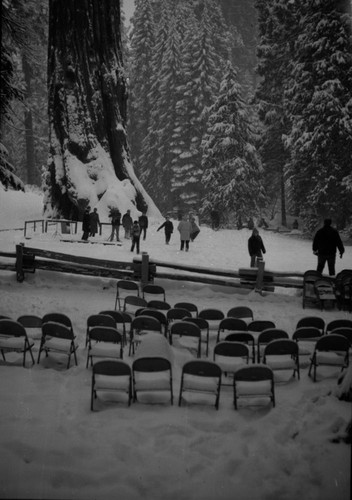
x: 53, y: 446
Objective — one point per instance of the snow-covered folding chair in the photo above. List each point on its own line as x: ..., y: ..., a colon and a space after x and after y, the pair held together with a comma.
x: 98, y: 320
x: 111, y: 377
x: 151, y: 291
x: 152, y: 371
x: 231, y: 356
x: 190, y: 306
x: 241, y: 312
x: 230, y: 325
x: 13, y: 338
x: 189, y: 335
x: 59, y: 339
x: 124, y: 288
x: 254, y: 383
x: 283, y: 355
x: 200, y: 378
x: 312, y: 321
x: 309, y: 294
x: 32, y: 324
x: 330, y: 350
x: 324, y: 290
x: 267, y: 336
x: 104, y: 342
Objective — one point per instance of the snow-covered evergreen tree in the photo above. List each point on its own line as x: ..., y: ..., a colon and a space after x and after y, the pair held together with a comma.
x: 276, y: 20
x: 231, y: 165
x: 319, y: 99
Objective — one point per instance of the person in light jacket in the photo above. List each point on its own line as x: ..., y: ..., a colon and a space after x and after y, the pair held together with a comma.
x: 185, y: 227
x: 255, y: 246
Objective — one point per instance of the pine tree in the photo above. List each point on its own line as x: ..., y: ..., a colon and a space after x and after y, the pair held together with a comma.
x: 142, y: 43
x: 232, y: 170
x: 276, y: 20
x: 319, y: 99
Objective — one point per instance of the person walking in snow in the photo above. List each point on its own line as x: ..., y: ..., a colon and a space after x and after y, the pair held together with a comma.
x: 94, y: 222
x: 255, y: 247
x: 325, y: 243
x: 86, y: 224
x: 115, y: 224
x: 143, y: 224
x: 185, y: 227
x: 168, y: 229
x: 127, y: 224
x: 135, y: 234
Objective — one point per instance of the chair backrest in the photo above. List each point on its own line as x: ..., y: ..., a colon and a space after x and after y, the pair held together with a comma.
x: 12, y: 328
x: 154, y: 313
x: 332, y: 342
x: 233, y: 349
x: 57, y: 318
x: 146, y: 323
x: 270, y: 334
x: 311, y: 276
x: 323, y: 285
x: 174, y: 314
x: 159, y: 304
x: 57, y: 330
x: 151, y: 289
x: 254, y: 373
x: 202, y: 368
x: 233, y: 324
x: 105, y: 334
x: 281, y: 347
x: 30, y: 321
x: 133, y: 302
x: 260, y: 325
x: 313, y: 321
x: 4, y: 317
x: 128, y: 286
x: 100, y: 320
x: 240, y: 312
x: 306, y: 333
x: 111, y: 368
x: 185, y: 328
x: 338, y: 323
x: 151, y: 365
x: 193, y: 308
x: 202, y: 323
x: 211, y: 314
x: 124, y: 288
x: 345, y: 332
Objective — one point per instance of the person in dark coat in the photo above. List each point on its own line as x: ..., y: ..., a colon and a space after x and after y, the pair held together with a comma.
x: 143, y: 224
x: 86, y: 224
x: 195, y: 228
x: 115, y: 224
x: 94, y: 222
x: 168, y: 229
x: 127, y: 223
x: 325, y: 243
x: 135, y: 234
x: 215, y: 220
x: 255, y: 246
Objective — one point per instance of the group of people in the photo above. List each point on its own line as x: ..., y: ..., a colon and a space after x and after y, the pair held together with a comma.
x: 90, y: 224
x: 326, y: 241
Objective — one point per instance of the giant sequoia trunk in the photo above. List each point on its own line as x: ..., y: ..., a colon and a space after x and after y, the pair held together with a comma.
x: 88, y: 159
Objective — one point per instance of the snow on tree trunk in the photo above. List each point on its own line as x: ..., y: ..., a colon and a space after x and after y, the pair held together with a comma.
x: 88, y: 162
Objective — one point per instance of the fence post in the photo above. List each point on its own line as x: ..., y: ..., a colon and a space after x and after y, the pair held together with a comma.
x: 145, y: 269
x: 260, y: 275
x: 19, y: 262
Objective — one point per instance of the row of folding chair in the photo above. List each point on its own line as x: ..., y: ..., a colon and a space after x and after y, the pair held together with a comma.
x: 54, y: 330
x: 321, y: 290
x: 199, y: 380
x: 127, y: 288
